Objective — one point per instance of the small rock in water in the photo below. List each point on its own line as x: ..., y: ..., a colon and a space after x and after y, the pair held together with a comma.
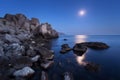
x: 26, y: 71
x: 65, y: 48
x: 46, y: 64
x: 65, y: 39
x: 44, y: 76
x: 79, y: 49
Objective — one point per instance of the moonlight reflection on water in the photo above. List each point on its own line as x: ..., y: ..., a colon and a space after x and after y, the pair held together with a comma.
x: 80, y: 38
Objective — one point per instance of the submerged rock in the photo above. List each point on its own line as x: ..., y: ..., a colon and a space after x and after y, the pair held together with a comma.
x: 68, y: 76
x: 26, y: 71
x: 65, y: 48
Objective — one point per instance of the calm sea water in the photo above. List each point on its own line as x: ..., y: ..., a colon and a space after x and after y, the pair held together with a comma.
x: 108, y: 60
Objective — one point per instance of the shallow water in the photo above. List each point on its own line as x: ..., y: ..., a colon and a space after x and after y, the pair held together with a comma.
x: 108, y: 60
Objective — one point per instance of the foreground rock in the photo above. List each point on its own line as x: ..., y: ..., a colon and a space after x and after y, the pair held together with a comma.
x: 46, y: 64
x: 45, y: 53
x: 68, y: 76
x: 26, y: 71
x: 79, y: 49
x: 65, y: 48
x: 95, y: 45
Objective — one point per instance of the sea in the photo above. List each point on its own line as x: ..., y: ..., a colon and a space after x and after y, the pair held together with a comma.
x: 108, y: 59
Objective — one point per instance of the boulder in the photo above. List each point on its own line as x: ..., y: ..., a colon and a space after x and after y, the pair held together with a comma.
x: 34, y: 21
x: 30, y: 53
x: 46, y: 64
x: 23, y: 36
x: 35, y: 59
x: 45, y: 53
x: 11, y: 39
x: 24, y: 72
x: 19, y: 62
x: 14, y: 49
x: 65, y: 48
x: 79, y: 49
x: 20, y: 19
x: 46, y: 31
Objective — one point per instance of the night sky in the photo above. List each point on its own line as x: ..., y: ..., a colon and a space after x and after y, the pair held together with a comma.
x: 101, y: 17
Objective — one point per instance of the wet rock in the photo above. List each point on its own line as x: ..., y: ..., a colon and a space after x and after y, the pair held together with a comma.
x: 45, y: 53
x: 35, y: 59
x: 65, y: 48
x: 92, y: 67
x: 24, y: 72
x: 44, y: 76
x: 46, y: 64
x: 79, y: 49
x: 95, y: 45
x: 68, y: 76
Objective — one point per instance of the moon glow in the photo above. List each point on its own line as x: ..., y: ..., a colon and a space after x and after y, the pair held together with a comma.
x: 82, y: 12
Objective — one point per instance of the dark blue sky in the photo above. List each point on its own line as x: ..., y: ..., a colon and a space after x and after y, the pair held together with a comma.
x: 102, y: 16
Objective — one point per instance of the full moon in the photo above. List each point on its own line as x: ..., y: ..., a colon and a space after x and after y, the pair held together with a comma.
x: 81, y: 12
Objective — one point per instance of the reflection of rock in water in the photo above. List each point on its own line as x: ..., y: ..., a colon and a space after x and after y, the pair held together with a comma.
x: 92, y: 67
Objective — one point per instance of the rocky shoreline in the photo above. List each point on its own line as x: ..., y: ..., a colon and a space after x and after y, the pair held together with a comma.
x: 23, y: 44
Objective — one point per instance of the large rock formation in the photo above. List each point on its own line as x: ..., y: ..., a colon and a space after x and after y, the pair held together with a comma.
x: 46, y: 31
x: 24, y: 28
